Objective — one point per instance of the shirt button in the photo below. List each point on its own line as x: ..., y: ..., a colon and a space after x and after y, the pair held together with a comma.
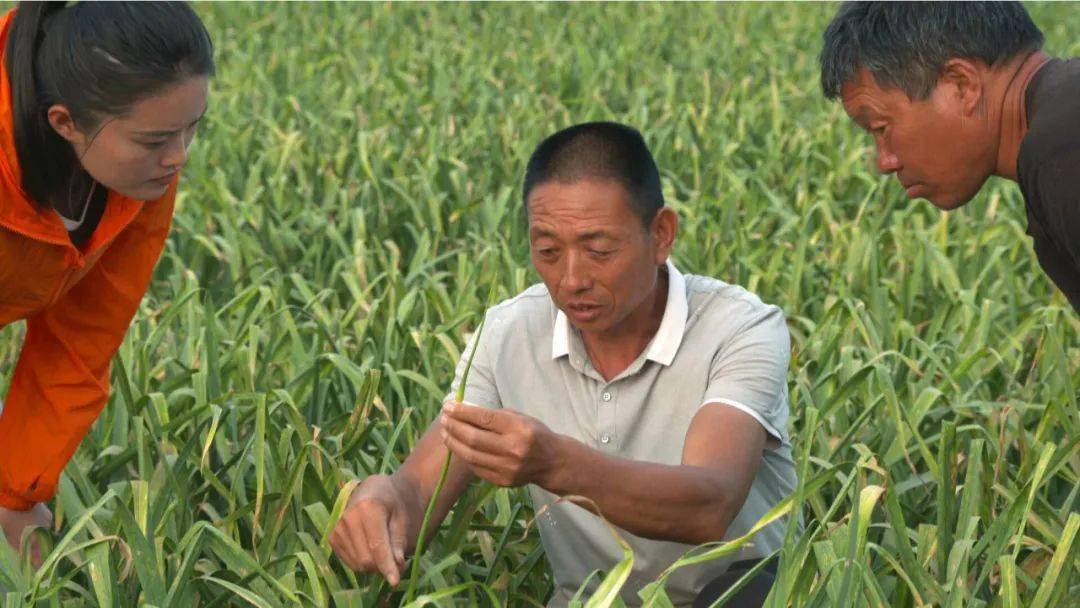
x: 605, y: 438
x: 606, y: 397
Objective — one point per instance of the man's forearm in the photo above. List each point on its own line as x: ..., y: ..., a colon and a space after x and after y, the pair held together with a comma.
x: 679, y: 503
x: 419, y: 476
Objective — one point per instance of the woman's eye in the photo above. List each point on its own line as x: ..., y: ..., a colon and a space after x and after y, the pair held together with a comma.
x: 153, y: 145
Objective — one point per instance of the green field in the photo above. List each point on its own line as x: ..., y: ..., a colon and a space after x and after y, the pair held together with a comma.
x: 355, y: 192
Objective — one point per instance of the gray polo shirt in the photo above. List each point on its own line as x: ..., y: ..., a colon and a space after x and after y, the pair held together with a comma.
x: 717, y: 343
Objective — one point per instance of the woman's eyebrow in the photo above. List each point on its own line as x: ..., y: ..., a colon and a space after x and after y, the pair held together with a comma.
x: 170, y: 132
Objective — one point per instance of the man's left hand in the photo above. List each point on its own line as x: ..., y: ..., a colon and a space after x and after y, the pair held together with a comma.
x: 502, y: 446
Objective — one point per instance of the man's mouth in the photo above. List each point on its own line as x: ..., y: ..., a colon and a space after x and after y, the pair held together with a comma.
x: 583, y: 312
x: 913, y: 189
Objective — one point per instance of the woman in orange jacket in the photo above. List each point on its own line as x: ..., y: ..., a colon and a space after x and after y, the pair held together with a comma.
x: 98, y: 104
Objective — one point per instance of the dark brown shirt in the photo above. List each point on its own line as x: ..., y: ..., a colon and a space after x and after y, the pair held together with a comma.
x: 1048, y: 168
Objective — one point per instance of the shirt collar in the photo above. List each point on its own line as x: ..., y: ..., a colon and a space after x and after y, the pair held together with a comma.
x: 668, y: 337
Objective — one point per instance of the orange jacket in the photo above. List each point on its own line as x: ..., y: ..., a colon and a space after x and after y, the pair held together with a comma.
x: 77, y: 304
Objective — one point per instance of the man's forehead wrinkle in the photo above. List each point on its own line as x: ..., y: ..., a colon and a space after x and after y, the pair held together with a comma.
x: 584, y: 227
x: 862, y: 105
x: 587, y: 228
x: 552, y: 214
x: 560, y: 206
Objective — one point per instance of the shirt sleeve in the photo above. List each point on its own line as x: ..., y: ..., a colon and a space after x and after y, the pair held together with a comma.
x: 749, y: 372
x: 61, y: 380
x: 480, y: 389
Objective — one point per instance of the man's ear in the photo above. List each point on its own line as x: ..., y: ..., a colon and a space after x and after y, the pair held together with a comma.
x: 963, y: 84
x: 663, y: 230
x: 61, y: 121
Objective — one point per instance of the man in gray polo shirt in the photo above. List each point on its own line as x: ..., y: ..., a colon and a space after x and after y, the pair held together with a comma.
x: 660, y: 397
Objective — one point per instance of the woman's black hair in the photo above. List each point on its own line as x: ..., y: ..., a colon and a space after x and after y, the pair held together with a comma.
x: 98, y: 59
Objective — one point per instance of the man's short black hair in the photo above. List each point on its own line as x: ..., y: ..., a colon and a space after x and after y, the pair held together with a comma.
x: 605, y: 150
x: 905, y: 44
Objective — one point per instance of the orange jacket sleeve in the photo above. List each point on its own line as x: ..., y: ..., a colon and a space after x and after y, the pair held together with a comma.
x: 61, y: 381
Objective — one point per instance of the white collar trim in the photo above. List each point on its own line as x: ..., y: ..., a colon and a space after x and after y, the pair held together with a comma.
x: 668, y: 337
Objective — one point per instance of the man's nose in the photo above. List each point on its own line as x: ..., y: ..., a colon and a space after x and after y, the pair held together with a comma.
x: 576, y: 278
x: 887, y: 161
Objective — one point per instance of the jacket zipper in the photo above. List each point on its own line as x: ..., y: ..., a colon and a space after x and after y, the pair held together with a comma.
x: 74, y: 264
x: 75, y: 258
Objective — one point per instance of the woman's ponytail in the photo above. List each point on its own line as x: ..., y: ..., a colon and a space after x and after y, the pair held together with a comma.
x: 40, y: 149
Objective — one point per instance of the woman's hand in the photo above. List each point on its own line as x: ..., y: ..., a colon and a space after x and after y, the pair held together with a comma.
x: 15, y: 523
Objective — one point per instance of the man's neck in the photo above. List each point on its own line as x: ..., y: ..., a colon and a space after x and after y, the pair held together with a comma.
x: 1013, y: 119
x: 614, y: 351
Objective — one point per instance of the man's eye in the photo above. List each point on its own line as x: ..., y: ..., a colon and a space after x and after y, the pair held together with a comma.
x: 153, y: 144
x: 600, y: 253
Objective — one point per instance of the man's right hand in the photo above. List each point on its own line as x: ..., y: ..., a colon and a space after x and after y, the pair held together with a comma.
x: 378, y: 526
x: 15, y: 522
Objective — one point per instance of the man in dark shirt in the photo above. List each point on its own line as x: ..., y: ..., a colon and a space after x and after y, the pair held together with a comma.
x: 956, y: 92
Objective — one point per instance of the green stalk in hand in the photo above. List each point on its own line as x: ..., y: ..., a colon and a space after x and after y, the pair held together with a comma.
x: 460, y: 397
